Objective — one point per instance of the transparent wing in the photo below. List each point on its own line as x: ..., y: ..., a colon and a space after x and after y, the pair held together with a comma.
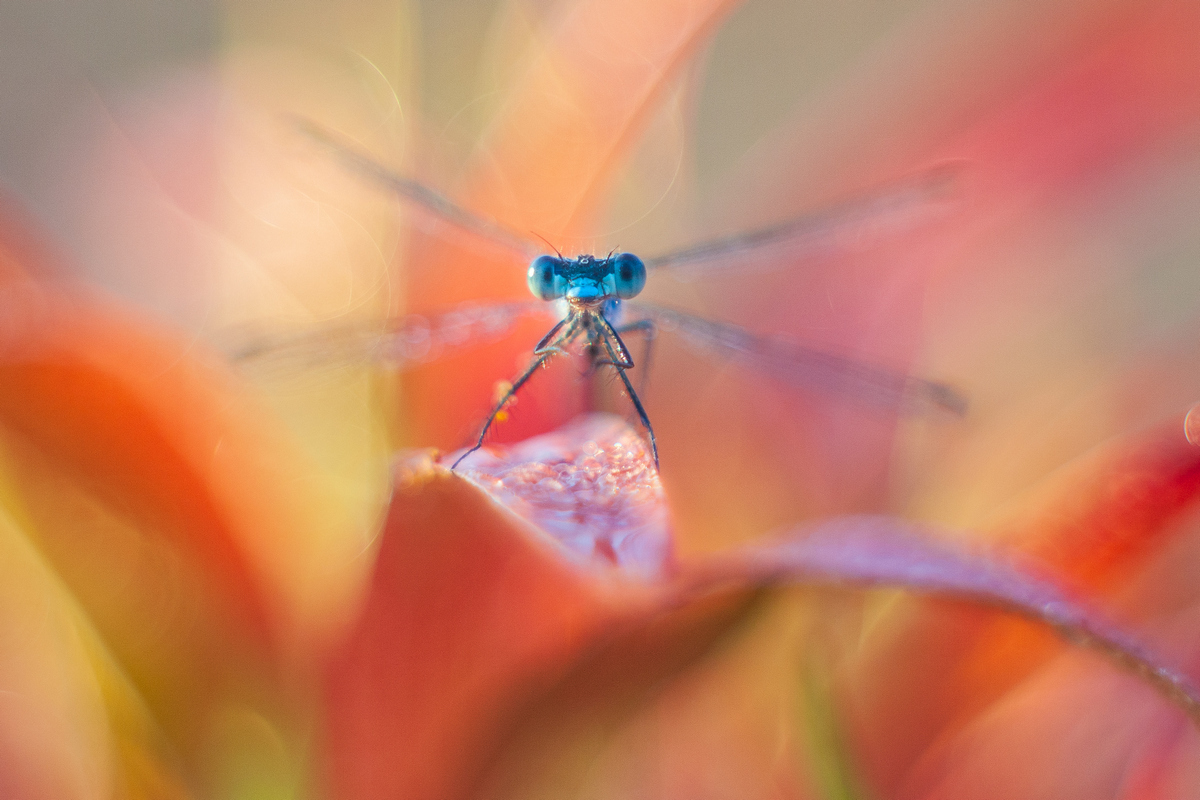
x: 894, y: 208
x: 358, y: 161
x: 398, y: 343
x: 807, y: 367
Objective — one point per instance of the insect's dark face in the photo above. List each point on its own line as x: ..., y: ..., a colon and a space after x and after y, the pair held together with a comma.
x: 587, y: 280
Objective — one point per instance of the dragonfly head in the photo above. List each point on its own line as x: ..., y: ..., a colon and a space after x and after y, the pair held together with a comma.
x: 587, y: 280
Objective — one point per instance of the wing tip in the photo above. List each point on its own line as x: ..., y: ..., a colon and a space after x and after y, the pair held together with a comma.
x: 948, y: 399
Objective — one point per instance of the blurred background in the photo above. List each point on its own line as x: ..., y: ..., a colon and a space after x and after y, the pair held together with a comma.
x: 152, y: 146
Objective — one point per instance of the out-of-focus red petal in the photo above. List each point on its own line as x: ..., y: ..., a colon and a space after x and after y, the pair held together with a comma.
x: 1123, y: 93
x: 1094, y: 523
x: 113, y: 442
x: 1098, y: 519
x: 173, y: 514
x: 551, y: 156
x: 121, y: 411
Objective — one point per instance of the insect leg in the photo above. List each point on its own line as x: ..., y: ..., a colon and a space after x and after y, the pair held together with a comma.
x: 618, y: 357
x: 649, y: 331
x: 609, y: 341
x: 544, y: 345
x: 545, y: 351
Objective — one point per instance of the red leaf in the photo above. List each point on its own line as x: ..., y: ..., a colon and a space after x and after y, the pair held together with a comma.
x: 882, y: 551
x: 471, y: 613
x: 489, y: 648
x: 1099, y: 519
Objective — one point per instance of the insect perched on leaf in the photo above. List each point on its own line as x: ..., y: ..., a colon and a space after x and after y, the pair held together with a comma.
x: 593, y: 295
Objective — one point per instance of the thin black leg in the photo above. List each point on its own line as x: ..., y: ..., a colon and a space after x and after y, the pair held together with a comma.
x: 637, y: 403
x: 620, y: 358
x: 544, y: 344
x: 545, y: 351
x: 649, y: 330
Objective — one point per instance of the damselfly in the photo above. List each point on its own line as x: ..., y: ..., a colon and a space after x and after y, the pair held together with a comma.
x: 593, y: 295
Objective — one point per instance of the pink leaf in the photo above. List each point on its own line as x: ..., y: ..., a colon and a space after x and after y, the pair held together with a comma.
x: 871, y: 551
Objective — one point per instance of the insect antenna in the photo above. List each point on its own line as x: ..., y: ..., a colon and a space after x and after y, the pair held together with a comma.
x: 549, y: 244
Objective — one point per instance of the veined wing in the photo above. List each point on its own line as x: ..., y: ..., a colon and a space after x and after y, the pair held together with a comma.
x: 893, y: 208
x: 358, y: 161
x: 810, y: 368
x: 400, y: 343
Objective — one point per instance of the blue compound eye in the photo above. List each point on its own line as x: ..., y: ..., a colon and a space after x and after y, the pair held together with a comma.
x: 544, y: 280
x: 629, y: 275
